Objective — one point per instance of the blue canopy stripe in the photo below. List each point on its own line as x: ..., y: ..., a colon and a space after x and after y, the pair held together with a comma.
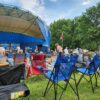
x: 7, y: 37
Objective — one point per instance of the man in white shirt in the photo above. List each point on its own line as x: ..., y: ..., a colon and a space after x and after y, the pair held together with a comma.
x: 66, y: 52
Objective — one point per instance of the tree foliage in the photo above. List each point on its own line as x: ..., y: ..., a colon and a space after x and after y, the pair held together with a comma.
x: 83, y: 31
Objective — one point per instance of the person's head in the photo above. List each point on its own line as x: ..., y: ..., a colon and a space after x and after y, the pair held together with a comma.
x: 56, y: 44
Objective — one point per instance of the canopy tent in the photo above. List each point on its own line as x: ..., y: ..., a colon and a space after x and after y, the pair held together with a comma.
x: 19, y: 26
x: 45, y: 30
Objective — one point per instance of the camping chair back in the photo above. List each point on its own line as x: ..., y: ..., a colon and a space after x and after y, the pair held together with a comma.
x: 12, y: 75
x: 95, y: 63
x: 65, y: 59
x: 97, y: 60
x: 38, y: 60
x: 62, y: 70
x: 38, y: 56
x: 66, y: 69
x: 73, y: 58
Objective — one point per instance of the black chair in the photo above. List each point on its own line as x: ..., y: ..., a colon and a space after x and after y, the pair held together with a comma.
x: 12, y: 75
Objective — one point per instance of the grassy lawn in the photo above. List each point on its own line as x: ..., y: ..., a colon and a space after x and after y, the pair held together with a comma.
x: 37, y: 86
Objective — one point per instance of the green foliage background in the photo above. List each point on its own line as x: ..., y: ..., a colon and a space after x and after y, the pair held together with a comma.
x: 83, y: 31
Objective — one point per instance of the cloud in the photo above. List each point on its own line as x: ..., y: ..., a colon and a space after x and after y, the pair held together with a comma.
x: 35, y: 6
x: 46, y: 13
x: 86, y: 2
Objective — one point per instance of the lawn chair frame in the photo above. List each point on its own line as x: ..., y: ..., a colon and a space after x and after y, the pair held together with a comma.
x: 96, y: 74
x: 56, y: 85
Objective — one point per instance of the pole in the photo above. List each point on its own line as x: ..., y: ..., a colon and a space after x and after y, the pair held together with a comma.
x: 62, y: 39
x: 62, y: 43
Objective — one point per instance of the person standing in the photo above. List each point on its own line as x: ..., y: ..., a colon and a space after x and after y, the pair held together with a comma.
x: 58, y: 48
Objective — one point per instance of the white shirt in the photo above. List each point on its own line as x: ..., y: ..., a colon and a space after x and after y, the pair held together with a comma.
x: 66, y: 51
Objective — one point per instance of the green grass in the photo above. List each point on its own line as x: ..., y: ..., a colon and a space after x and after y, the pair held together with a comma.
x: 37, y: 86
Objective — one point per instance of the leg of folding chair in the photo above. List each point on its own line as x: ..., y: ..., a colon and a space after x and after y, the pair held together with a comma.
x: 48, y: 84
x: 96, y: 83
x: 76, y: 86
x: 80, y: 79
x: 91, y: 84
x: 86, y: 79
x: 63, y: 90
x: 72, y: 88
x: 49, y: 87
x: 98, y: 74
x: 55, y: 91
x: 46, y: 88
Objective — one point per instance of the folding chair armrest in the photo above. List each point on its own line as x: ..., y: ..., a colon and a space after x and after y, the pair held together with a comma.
x: 81, y: 67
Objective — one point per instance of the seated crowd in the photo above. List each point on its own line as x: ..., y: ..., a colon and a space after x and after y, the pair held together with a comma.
x: 17, y: 56
x: 84, y: 56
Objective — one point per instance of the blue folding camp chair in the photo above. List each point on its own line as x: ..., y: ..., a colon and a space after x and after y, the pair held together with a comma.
x: 62, y: 72
x: 90, y: 71
x: 73, y: 58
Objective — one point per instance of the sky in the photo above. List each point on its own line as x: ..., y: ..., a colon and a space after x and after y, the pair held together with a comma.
x: 53, y: 10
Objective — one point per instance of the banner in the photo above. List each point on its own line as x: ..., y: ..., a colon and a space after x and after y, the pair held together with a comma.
x: 62, y: 36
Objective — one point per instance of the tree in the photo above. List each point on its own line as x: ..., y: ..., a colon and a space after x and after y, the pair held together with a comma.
x: 83, y: 31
